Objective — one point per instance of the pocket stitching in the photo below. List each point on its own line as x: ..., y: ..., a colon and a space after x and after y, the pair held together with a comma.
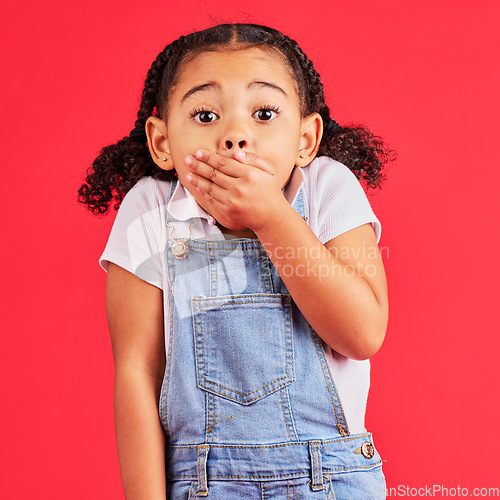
x: 283, y: 300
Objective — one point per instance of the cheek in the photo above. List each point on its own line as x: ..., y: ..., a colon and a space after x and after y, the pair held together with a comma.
x: 283, y: 148
x: 290, y: 136
x: 183, y: 144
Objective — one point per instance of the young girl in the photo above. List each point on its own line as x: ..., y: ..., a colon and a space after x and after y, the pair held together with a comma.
x: 245, y: 289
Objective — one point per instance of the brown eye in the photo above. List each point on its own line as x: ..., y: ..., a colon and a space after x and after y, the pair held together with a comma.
x: 206, y: 116
x: 265, y: 114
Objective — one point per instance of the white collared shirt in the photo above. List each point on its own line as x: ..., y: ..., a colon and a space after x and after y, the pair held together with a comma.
x: 336, y: 203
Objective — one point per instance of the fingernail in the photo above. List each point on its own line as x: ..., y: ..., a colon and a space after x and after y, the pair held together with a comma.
x: 240, y: 153
x: 189, y: 177
x: 188, y: 161
x: 199, y: 154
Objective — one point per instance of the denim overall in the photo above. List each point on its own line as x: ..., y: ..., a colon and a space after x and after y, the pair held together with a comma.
x: 248, y: 405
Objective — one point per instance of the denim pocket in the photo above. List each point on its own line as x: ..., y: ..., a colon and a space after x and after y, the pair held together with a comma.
x: 244, y: 347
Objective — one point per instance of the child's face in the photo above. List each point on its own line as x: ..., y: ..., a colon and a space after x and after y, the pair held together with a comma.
x: 225, y: 101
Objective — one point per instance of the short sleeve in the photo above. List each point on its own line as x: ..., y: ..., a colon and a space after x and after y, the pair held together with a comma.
x: 138, y: 236
x: 337, y: 200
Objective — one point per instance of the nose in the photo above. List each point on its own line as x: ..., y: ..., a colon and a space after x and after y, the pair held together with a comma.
x: 235, y: 135
x: 240, y: 144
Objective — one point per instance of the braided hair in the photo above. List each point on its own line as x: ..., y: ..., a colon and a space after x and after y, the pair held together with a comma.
x: 119, y: 166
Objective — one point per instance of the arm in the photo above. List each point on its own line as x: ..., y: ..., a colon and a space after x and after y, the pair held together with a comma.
x: 134, y: 310
x: 340, y: 287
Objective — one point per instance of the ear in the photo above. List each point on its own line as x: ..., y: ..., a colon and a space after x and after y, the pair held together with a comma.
x: 156, y: 132
x: 312, y: 132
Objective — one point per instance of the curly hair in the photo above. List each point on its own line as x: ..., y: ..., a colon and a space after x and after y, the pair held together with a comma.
x: 119, y: 166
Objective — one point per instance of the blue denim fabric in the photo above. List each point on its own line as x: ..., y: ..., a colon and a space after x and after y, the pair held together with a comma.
x: 248, y: 404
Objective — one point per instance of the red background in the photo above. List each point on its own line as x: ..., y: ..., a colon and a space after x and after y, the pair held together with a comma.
x: 424, y: 75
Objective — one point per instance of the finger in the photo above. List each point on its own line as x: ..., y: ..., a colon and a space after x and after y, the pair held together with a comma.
x: 252, y: 159
x: 208, y: 172
x: 229, y: 166
x: 206, y: 187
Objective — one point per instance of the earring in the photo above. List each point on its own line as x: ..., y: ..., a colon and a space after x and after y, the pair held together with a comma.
x: 302, y: 156
x: 164, y: 159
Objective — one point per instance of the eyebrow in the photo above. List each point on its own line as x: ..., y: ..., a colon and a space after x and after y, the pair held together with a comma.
x: 215, y: 86
x: 200, y: 88
x: 268, y: 85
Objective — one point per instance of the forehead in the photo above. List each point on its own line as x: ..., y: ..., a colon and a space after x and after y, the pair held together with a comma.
x: 236, y: 64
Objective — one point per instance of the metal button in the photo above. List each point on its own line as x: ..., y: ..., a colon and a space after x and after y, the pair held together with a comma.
x: 367, y: 449
x: 179, y: 249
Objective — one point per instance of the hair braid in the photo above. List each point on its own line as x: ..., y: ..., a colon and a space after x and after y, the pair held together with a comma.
x: 151, y: 85
x: 155, y: 95
x: 354, y: 146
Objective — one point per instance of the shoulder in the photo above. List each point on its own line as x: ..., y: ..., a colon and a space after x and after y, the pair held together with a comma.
x: 141, y: 213
x: 337, y: 201
x: 138, y: 235
x: 326, y: 176
x: 147, y: 193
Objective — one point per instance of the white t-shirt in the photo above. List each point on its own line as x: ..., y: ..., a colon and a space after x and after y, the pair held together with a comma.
x: 336, y: 203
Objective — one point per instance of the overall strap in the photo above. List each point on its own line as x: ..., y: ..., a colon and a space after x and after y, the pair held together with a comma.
x: 299, y: 206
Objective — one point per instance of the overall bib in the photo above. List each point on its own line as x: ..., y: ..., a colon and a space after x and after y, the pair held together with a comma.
x: 248, y: 405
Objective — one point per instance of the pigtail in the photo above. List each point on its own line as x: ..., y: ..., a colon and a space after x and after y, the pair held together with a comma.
x: 119, y: 166
x: 360, y: 150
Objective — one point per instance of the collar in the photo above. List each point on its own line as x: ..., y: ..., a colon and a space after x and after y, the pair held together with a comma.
x: 183, y: 206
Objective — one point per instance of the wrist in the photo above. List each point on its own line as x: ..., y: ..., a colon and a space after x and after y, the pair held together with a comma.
x: 277, y: 215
